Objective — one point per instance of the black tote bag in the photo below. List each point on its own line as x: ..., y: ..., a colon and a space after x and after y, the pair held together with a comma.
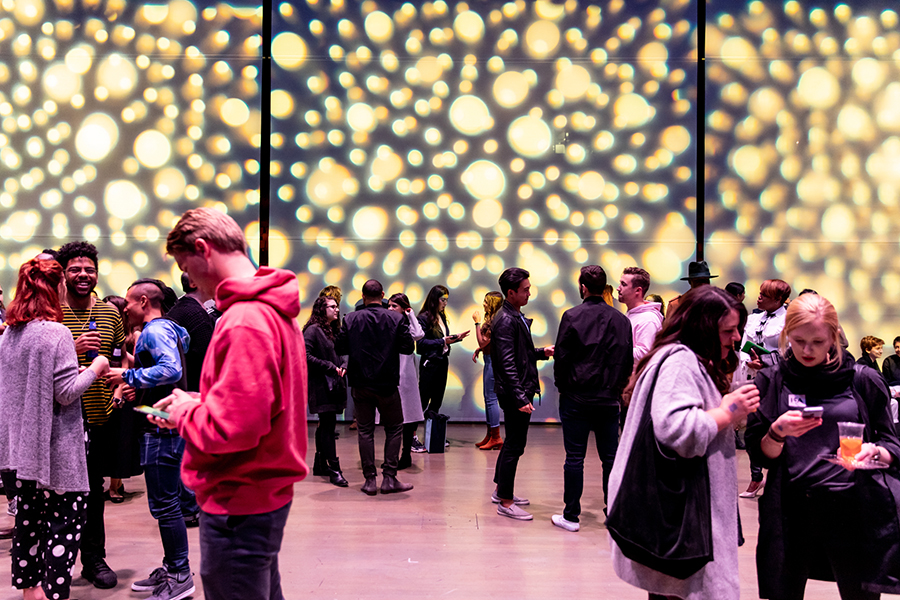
x: 661, y: 516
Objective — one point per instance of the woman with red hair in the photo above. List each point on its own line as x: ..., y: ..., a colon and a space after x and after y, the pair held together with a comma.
x: 42, y: 433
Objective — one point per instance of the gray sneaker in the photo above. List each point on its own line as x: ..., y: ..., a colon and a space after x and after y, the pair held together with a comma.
x: 172, y: 589
x: 417, y: 446
x: 514, y: 512
x: 157, y: 577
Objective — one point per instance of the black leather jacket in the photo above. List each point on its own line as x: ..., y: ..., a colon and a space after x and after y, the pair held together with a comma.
x: 593, y: 356
x: 514, y: 358
x: 374, y: 338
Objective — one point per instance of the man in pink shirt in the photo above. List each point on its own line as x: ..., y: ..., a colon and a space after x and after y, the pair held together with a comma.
x: 646, y: 317
x: 245, y: 431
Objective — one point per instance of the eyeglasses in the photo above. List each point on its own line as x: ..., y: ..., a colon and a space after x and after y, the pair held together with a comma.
x: 79, y: 270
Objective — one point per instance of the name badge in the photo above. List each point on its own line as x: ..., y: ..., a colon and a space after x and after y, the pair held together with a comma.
x: 796, y: 401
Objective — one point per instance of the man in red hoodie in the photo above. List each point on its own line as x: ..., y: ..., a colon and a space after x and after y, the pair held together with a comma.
x: 246, y: 429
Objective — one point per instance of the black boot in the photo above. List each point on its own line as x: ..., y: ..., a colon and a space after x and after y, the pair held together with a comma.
x: 405, y: 461
x: 370, y: 487
x: 320, y: 469
x: 390, y: 485
x: 334, y: 473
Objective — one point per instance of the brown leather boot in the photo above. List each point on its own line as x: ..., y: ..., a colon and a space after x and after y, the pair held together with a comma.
x: 487, y: 437
x: 496, y: 442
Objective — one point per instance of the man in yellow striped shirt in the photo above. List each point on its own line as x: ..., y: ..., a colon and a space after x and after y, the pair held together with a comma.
x: 81, y: 307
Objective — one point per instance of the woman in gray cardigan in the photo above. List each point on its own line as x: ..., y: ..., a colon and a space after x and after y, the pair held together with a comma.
x: 42, y: 433
x: 691, y: 417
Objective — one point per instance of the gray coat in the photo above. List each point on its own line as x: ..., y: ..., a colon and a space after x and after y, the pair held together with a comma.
x: 683, y: 394
x: 41, y: 428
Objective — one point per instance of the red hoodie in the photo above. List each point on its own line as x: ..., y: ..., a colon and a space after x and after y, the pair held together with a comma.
x: 246, y: 440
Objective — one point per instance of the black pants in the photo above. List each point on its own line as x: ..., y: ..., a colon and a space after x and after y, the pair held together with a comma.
x: 433, y: 382
x: 516, y: 425
x: 46, y: 539
x: 578, y: 421
x: 388, y: 404
x: 93, y: 542
x: 325, y: 435
x: 823, y: 530
x: 409, y: 431
x: 9, y: 484
x: 239, y: 555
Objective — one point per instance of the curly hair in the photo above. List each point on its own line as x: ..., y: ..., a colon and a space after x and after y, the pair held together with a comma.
x: 76, y: 250
x: 317, y: 316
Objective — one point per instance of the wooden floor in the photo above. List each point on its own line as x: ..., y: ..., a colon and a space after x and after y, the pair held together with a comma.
x: 441, y: 540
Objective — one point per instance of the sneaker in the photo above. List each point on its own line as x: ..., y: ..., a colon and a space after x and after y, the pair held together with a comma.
x: 516, y: 500
x: 11, y: 509
x: 172, y: 589
x: 514, y: 512
x: 100, y: 575
x: 157, y: 577
x: 417, y: 446
x: 564, y: 523
x: 446, y: 443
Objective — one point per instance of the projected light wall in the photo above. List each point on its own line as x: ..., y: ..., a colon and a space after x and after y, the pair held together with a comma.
x: 116, y: 117
x: 441, y: 142
x: 803, y: 153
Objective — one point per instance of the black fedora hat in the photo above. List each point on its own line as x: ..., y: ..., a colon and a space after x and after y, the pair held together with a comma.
x: 698, y: 270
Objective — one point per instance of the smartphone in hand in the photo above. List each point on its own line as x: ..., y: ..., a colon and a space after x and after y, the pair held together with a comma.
x: 149, y: 410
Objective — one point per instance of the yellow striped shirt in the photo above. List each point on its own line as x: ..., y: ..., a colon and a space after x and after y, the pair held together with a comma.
x: 97, y: 400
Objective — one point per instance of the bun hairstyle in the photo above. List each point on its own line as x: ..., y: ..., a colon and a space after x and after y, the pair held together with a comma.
x: 37, y: 293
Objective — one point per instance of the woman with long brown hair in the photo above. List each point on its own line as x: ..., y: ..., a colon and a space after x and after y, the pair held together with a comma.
x: 684, y: 378
x: 42, y: 432
x: 327, y: 390
x: 492, y: 303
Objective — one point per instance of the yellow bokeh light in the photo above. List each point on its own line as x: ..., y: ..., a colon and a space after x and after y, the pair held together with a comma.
x: 529, y: 136
x: 289, y: 51
x: 370, y: 223
x: 484, y: 180
x: 510, y: 89
x: 123, y: 199
x: 470, y: 115
x: 152, y: 148
x: 542, y: 39
x: 379, y: 27
x: 96, y: 137
x: 487, y: 213
x: 573, y: 81
x: 235, y: 112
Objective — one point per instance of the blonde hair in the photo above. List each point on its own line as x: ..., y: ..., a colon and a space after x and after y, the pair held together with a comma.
x: 212, y: 225
x: 812, y: 308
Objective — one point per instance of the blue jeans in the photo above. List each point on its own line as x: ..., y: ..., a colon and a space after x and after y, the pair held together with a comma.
x: 578, y: 421
x: 161, y: 458
x: 491, y: 405
x: 239, y: 555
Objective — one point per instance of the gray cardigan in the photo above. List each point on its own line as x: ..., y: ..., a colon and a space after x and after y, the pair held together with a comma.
x: 683, y: 394
x: 41, y: 428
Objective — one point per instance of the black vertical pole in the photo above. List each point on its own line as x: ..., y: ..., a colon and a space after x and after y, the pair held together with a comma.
x: 700, y: 170
x: 265, y: 148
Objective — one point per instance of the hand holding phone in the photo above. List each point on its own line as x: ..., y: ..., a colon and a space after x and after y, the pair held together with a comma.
x: 813, y: 412
x: 148, y: 410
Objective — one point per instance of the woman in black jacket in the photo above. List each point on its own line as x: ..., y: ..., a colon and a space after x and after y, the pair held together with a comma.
x: 327, y: 390
x: 817, y: 519
x: 434, y: 349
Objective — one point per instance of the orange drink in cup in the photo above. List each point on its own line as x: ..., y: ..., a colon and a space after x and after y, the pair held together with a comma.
x: 850, y: 435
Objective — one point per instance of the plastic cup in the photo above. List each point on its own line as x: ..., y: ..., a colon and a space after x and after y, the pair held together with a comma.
x: 851, y: 435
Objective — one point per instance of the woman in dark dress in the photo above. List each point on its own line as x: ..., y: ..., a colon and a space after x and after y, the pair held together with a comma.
x: 327, y: 390
x: 434, y: 349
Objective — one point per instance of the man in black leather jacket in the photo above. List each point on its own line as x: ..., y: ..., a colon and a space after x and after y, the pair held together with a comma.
x: 592, y: 361
x: 374, y: 338
x: 516, y: 382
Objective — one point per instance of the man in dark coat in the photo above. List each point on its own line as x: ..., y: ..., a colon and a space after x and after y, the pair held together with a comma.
x: 516, y: 382
x: 374, y: 338
x: 592, y: 362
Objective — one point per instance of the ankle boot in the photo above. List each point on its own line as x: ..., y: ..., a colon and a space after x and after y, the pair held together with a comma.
x: 370, y: 487
x: 334, y: 473
x: 390, y: 485
x: 487, y: 438
x: 319, y: 467
x: 496, y: 442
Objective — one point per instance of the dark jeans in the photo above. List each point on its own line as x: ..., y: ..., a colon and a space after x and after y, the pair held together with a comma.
x: 9, y: 484
x: 325, y: 444
x: 239, y: 555
x: 516, y: 425
x: 388, y: 404
x: 578, y: 421
x: 756, y: 472
x: 93, y: 542
x: 409, y: 432
x: 433, y: 382
x: 161, y: 458
x: 46, y: 539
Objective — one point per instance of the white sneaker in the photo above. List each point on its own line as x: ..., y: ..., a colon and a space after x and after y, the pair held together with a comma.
x: 514, y: 512
x: 562, y: 522
x: 516, y: 500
